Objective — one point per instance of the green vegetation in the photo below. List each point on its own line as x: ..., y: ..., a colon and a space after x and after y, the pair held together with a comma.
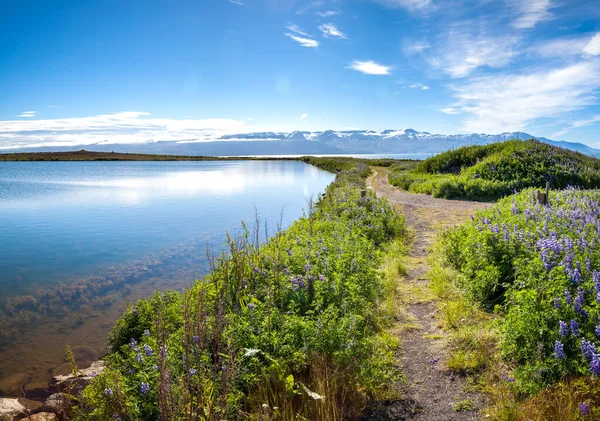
x: 537, y: 269
x: 294, y: 329
x: 492, y: 171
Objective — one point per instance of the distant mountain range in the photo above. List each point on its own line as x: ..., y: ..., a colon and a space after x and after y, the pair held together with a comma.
x: 406, y: 141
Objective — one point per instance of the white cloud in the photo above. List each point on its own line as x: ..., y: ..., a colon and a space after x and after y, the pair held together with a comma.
x: 305, y: 42
x: 304, y: 116
x: 123, y: 127
x: 412, y: 5
x: 27, y: 114
x: 464, y: 52
x: 530, y: 12
x: 309, y: 6
x: 450, y: 110
x: 330, y: 30
x: 53, y: 106
x: 327, y: 14
x: 370, y: 67
x: 511, y: 102
x: 578, y: 123
x: 419, y: 86
x: 238, y: 2
x: 561, y: 47
x: 295, y: 28
x: 593, y: 47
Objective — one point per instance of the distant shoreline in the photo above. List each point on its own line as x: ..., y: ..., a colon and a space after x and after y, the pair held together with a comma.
x: 84, y: 155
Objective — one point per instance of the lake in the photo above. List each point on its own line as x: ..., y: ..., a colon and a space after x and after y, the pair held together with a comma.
x: 79, y: 238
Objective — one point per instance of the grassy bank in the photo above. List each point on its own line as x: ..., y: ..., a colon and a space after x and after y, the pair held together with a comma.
x: 521, y: 293
x: 292, y: 329
x: 486, y: 173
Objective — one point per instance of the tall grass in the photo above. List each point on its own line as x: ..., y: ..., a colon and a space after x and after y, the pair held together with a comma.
x: 292, y: 329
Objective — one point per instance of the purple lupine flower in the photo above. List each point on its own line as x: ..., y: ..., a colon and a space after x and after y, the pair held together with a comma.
x: 321, y: 278
x: 289, y: 251
x: 134, y: 312
x: 251, y: 306
x: 132, y: 343
x: 108, y: 391
x: 563, y: 329
x: 568, y: 296
x: 559, y: 352
x: 574, y: 328
x: 595, y: 365
x: 117, y: 417
x: 144, y: 388
x: 154, y: 367
x: 588, y: 349
x: 195, y: 338
x: 193, y: 371
x: 138, y: 357
x: 434, y: 361
x: 557, y: 303
x: 584, y: 409
x: 147, y: 350
x: 507, y: 378
x: 146, y: 332
x: 579, y: 303
x: 286, y: 271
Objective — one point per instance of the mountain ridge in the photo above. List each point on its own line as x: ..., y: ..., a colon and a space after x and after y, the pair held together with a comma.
x: 389, y: 141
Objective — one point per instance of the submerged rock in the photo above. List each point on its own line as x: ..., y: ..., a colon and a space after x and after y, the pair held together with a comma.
x: 84, y: 354
x: 11, y: 386
x: 43, y: 416
x: 11, y: 409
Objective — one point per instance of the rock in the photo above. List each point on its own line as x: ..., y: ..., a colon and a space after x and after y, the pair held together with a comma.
x: 58, y: 404
x: 37, y: 391
x: 29, y: 404
x: 11, y: 386
x: 81, y: 380
x: 11, y: 409
x: 43, y: 416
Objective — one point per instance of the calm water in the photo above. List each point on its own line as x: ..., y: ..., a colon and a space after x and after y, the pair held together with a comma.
x: 64, y: 221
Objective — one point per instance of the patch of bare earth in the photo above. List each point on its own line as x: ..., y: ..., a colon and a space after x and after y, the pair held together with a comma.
x: 432, y: 393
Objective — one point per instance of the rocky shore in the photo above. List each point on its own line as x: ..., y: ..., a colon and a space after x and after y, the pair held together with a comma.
x: 41, y: 401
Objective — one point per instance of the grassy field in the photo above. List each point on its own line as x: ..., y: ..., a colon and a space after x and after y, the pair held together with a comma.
x: 486, y: 173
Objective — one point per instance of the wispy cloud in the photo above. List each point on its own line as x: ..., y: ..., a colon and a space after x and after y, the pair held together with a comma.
x: 327, y: 13
x: 308, y: 6
x: 295, y: 28
x: 370, y: 67
x: 238, y: 2
x: 330, y: 30
x: 53, y: 106
x: 412, y: 5
x: 465, y: 48
x: 593, y: 47
x: 578, y: 123
x: 510, y: 102
x: 450, y: 110
x: 27, y: 114
x: 562, y: 47
x: 124, y: 127
x: 530, y: 12
x: 304, y: 116
x: 305, y: 42
x: 419, y: 86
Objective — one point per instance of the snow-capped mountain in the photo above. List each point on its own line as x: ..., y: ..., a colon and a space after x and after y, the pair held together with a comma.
x: 398, y: 141
x: 404, y: 141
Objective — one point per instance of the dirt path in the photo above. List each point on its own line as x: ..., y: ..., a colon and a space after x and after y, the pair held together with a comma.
x: 432, y: 393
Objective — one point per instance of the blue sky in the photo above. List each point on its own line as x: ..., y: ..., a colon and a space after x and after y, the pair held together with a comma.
x: 75, y: 72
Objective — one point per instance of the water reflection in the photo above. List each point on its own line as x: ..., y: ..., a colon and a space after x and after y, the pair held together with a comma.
x: 119, y: 230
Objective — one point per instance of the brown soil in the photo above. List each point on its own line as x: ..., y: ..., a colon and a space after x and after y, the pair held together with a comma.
x: 431, y: 391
